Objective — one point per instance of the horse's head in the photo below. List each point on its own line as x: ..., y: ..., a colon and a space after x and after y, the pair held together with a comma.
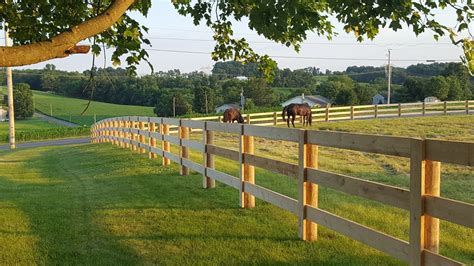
x: 240, y: 119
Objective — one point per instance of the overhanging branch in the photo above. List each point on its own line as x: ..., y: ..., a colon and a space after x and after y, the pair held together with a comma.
x: 64, y: 44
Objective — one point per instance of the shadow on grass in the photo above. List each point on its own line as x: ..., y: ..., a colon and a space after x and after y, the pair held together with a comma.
x: 105, y: 206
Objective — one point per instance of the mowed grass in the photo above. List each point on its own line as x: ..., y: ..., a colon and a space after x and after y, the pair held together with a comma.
x: 70, y: 109
x: 98, y: 204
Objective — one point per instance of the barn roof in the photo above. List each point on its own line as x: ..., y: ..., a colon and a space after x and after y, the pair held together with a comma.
x: 310, y: 99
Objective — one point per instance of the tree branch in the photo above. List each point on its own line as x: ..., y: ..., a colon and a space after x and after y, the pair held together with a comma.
x: 63, y: 44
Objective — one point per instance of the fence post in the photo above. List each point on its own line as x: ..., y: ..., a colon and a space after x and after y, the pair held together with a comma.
x: 141, y: 137
x: 432, y: 187
x: 423, y: 108
x: 275, y: 120
x: 467, y: 107
x: 219, y: 119
x: 376, y: 110
x: 165, y: 145
x: 399, y: 109
x: 112, y: 131
x: 208, y: 139
x: 127, y: 133
x: 107, y: 132
x: 151, y: 140
x: 352, y: 112
x: 417, y: 190
x: 115, y: 131
x: 92, y: 133
x: 307, y: 192
x: 247, y: 172
x: 124, y: 132
x: 98, y: 133
x: 327, y: 114
x: 445, y: 107
x: 104, y: 132
x: 248, y: 119
x: 120, y: 132
x: 183, y: 134
x: 132, y: 134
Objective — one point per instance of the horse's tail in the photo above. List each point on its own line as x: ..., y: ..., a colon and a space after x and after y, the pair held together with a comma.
x: 310, y: 117
x: 283, y: 113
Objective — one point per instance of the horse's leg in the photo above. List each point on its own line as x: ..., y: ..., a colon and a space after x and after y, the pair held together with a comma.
x: 293, y: 120
x: 288, y: 119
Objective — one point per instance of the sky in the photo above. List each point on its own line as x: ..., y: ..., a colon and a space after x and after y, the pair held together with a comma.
x: 170, y: 32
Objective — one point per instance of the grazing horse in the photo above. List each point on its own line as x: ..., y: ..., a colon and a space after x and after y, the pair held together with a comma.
x: 231, y: 115
x: 292, y: 110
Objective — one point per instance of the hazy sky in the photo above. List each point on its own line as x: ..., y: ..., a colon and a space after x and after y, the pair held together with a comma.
x: 170, y: 31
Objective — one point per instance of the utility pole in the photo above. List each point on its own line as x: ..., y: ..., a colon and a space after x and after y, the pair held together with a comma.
x: 205, y: 94
x: 174, y: 106
x: 389, y: 79
x: 242, y: 99
x: 11, y: 112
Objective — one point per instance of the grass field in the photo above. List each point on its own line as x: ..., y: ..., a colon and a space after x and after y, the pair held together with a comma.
x: 70, y: 109
x: 36, y: 129
x: 98, y: 204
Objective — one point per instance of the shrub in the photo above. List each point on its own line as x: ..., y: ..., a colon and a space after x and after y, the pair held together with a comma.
x: 23, y: 101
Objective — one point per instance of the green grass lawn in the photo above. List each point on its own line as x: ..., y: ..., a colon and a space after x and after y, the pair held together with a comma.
x: 70, y: 109
x: 99, y: 204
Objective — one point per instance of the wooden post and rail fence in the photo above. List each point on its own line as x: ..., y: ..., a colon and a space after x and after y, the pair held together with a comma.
x: 422, y: 200
x: 337, y: 113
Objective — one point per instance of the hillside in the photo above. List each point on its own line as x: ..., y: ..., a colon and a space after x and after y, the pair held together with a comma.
x: 70, y: 109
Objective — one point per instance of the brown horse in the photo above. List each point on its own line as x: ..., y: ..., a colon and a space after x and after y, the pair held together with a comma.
x: 294, y: 109
x: 231, y: 115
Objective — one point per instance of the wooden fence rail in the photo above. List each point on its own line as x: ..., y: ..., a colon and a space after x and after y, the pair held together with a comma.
x: 361, y: 112
x: 422, y: 200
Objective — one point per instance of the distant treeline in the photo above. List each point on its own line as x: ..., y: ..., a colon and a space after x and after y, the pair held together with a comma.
x: 197, y: 92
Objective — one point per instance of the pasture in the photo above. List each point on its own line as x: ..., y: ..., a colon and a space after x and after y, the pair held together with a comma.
x: 70, y: 109
x: 98, y: 204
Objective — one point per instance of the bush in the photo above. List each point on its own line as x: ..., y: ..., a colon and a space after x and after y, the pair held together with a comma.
x: 23, y: 101
x: 346, y: 96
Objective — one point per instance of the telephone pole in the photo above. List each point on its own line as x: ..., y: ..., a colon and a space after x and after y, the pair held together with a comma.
x: 174, y: 106
x: 11, y: 112
x: 389, y: 79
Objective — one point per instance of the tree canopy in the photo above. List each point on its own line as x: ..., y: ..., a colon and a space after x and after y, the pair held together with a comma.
x: 42, y: 29
x: 23, y: 101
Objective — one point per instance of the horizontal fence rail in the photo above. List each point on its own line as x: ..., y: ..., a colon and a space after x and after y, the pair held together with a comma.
x: 355, y: 112
x: 152, y: 135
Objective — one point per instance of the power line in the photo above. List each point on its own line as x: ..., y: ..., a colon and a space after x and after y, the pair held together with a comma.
x: 311, y: 43
x: 311, y: 57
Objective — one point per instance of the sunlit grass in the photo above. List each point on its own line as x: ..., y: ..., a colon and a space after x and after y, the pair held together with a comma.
x: 98, y: 204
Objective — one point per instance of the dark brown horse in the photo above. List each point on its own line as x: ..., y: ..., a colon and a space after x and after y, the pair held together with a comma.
x: 231, y: 115
x: 294, y: 109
